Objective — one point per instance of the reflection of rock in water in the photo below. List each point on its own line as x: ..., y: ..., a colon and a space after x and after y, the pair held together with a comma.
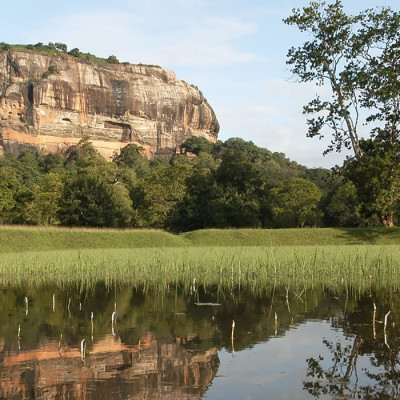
x: 159, y: 369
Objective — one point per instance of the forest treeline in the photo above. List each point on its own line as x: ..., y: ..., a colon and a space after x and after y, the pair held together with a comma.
x: 231, y: 184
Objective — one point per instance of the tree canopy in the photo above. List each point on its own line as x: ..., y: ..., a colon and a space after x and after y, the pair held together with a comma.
x: 357, y: 58
x: 228, y: 184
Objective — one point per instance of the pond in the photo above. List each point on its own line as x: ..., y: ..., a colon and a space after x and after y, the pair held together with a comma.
x: 127, y: 342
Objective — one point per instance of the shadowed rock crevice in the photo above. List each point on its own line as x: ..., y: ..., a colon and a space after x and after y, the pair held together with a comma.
x: 126, y: 130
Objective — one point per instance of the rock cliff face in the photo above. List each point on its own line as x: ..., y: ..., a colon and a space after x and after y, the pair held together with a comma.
x: 52, y: 101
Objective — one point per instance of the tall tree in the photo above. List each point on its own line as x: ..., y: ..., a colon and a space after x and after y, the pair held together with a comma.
x: 357, y: 57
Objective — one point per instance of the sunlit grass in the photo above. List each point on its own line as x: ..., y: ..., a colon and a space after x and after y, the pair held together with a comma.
x: 21, y: 238
x: 254, y: 268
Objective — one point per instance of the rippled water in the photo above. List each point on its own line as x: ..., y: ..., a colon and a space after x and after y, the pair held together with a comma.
x: 98, y: 342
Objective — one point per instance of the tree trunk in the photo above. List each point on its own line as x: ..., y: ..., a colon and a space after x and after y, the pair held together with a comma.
x: 388, y: 220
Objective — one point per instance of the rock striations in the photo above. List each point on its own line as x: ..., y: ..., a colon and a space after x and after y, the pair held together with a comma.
x: 51, y: 101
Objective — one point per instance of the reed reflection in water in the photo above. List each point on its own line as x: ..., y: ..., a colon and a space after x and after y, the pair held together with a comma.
x: 172, y: 343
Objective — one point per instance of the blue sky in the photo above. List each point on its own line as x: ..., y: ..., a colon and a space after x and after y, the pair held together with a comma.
x: 233, y: 50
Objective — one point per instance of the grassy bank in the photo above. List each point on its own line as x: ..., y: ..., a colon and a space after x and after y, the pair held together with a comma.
x: 255, y: 259
x: 21, y: 239
x: 294, y: 237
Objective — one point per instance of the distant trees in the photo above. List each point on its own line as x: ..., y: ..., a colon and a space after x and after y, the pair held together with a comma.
x: 4, y: 46
x: 92, y: 194
x: 157, y: 194
x: 54, y: 48
x: 197, y: 144
x: 75, y: 52
x: 294, y: 202
x: 9, y: 187
x: 112, y: 60
x: 44, y: 204
x: 61, y: 47
x: 345, y: 207
x: 228, y: 184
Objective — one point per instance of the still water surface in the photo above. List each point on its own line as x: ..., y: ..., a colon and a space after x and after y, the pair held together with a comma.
x: 97, y: 342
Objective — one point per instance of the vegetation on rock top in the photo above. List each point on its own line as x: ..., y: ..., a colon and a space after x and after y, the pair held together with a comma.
x: 61, y: 50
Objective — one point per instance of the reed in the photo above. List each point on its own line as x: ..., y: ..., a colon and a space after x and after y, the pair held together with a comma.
x: 255, y: 268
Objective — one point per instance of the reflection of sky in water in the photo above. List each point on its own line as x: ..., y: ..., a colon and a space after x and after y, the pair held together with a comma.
x: 276, y: 369
x: 177, y: 342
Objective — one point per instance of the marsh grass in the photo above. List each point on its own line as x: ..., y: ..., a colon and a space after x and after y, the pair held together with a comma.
x: 257, y: 269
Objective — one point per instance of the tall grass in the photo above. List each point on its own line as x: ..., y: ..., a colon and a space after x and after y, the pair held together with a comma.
x: 255, y: 268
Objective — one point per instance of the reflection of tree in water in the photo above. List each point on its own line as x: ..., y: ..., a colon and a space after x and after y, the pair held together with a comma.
x: 343, y: 375
x: 335, y: 380
x: 389, y: 379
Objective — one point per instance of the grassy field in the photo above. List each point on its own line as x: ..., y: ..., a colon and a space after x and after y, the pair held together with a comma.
x: 21, y: 239
x: 255, y: 259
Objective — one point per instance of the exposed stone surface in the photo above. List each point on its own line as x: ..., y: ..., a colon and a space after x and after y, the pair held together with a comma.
x: 52, y: 101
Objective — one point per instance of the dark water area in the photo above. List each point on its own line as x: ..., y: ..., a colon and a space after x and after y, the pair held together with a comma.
x: 124, y: 342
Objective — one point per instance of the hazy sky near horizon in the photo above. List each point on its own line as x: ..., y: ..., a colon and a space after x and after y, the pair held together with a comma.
x: 233, y: 50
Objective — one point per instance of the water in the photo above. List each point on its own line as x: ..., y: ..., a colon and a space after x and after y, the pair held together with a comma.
x: 98, y: 342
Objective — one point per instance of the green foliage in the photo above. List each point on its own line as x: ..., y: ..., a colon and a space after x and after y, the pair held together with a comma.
x: 196, y: 209
x: 254, y: 153
x: 92, y: 194
x: 344, y: 207
x: 61, y: 46
x: 4, y: 47
x: 9, y: 186
x: 75, y: 52
x: 377, y: 179
x: 131, y: 157
x: 235, y: 185
x: 52, y: 162
x: 237, y: 170
x: 112, y: 60
x: 83, y: 155
x: 325, y: 58
x: 357, y: 58
x: 51, y: 70
x: 197, y: 144
x: 47, y: 196
x: 149, y: 65
x: 295, y: 202
x: 156, y: 196
x: 62, y: 50
x: 89, y: 200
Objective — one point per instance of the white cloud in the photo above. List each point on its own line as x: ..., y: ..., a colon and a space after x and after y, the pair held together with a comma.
x: 174, y: 35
